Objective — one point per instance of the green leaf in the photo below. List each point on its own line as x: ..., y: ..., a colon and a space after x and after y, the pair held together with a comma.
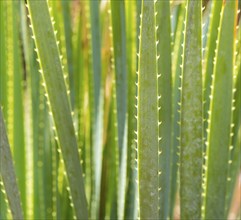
x: 164, y: 66
x: 14, y: 118
x: 191, y: 115
x: 120, y: 59
x: 220, y: 116
x: 147, y: 116
x: 8, y: 173
x: 176, y: 100
x: 50, y: 64
x: 209, y: 57
x: 97, y: 120
x: 131, y: 46
x: 235, y: 154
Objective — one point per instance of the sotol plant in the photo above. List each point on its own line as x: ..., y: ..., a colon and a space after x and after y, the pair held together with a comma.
x: 120, y: 109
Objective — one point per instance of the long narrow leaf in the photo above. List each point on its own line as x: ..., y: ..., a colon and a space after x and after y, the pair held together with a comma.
x: 8, y: 173
x: 119, y: 45
x: 147, y: 115
x: 55, y: 87
x: 209, y: 58
x: 98, y: 105
x: 163, y: 25
x: 191, y: 115
x: 221, y: 116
